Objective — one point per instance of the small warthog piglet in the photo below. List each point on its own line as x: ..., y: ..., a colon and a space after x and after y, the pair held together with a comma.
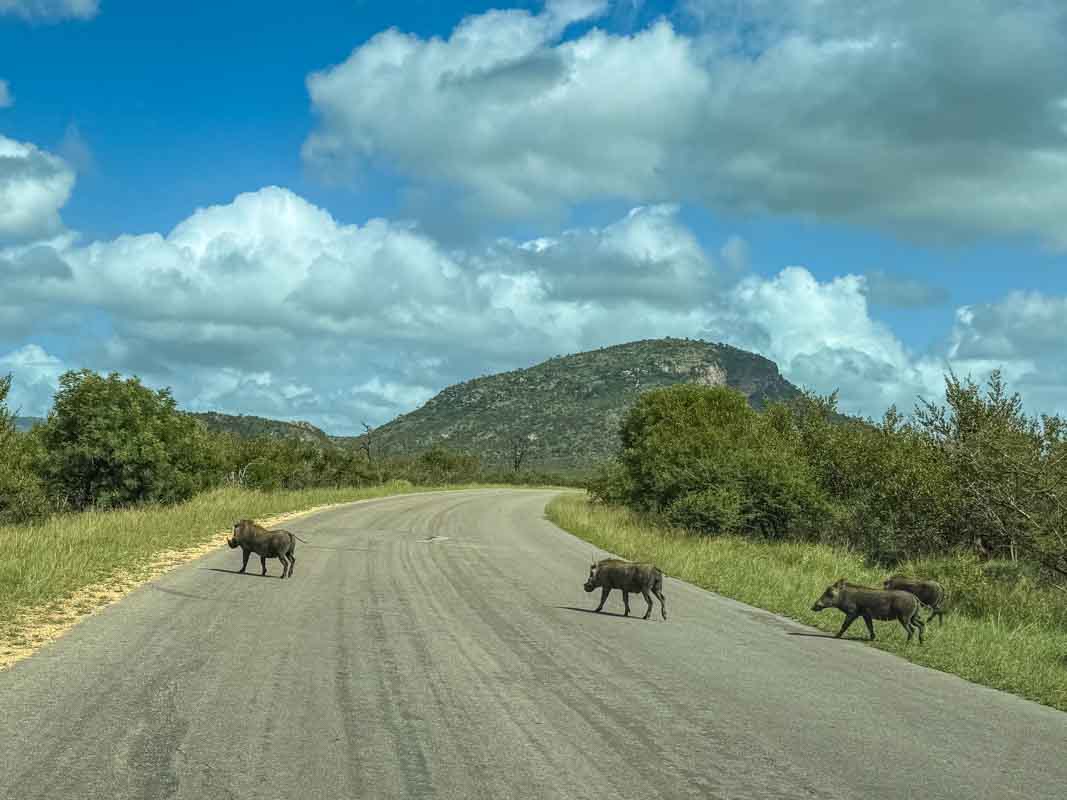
x: 931, y: 593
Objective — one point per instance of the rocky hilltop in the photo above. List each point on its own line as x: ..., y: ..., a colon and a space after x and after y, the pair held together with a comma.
x: 564, y: 413
x: 252, y: 426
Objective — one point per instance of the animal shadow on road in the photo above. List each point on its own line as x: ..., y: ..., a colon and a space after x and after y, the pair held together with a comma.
x: 238, y: 572
x: 823, y: 635
x: 600, y: 613
x: 168, y: 590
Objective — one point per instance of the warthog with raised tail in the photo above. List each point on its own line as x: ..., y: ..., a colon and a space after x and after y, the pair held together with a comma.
x: 931, y: 593
x: 253, y: 538
x: 871, y: 604
x: 613, y: 573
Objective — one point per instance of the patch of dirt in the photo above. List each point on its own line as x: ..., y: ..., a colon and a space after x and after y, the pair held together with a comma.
x: 30, y: 630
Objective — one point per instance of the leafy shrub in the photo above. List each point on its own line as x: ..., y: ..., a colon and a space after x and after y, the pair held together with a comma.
x: 611, y: 483
x: 23, y: 497
x: 703, y: 458
x: 114, y: 442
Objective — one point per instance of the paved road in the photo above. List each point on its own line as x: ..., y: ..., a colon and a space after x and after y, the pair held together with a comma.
x: 470, y: 667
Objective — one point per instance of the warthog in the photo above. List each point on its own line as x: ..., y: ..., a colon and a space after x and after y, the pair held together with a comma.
x: 613, y: 573
x: 931, y: 593
x: 253, y: 538
x: 871, y: 604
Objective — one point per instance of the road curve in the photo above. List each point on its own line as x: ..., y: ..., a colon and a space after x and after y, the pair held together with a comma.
x: 470, y: 667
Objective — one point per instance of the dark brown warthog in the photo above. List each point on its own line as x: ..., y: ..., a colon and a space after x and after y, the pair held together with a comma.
x: 253, y: 538
x: 613, y: 573
x: 931, y: 593
x: 872, y: 604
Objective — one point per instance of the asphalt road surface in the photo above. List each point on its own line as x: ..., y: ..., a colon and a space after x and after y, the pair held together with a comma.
x: 470, y: 666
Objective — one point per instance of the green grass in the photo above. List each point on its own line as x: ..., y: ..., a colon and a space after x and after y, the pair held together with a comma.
x: 1003, y: 629
x: 48, y: 563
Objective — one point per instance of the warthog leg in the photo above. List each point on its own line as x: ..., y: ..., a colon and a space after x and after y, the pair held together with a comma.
x: 662, y: 603
x: 292, y: 561
x: 907, y: 623
x: 263, y: 561
x: 604, y: 592
x: 918, y: 623
x: 849, y: 619
x: 626, y: 602
x: 870, y: 624
x: 285, y: 564
x: 244, y: 561
x: 648, y: 599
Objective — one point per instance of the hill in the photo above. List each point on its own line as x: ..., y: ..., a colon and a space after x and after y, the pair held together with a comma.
x: 250, y: 426
x: 564, y: 413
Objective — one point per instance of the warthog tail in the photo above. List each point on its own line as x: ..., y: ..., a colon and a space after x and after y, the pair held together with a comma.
x: 305, y: 541
x: 942, y: 597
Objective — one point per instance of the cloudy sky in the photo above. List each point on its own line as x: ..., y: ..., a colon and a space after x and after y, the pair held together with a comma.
x: 332, y: 215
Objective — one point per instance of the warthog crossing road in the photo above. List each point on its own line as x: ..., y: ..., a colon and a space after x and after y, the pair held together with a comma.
x: 871, y: 604
x: 613, y: 573
x: 931, y: 593
x: 253, y: 538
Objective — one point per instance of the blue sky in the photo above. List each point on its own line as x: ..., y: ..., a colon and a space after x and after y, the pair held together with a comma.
x: 332, y: 215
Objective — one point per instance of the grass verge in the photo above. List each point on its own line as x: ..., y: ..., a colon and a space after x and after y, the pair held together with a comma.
x: 54, y: 573
x: 1002, y: 629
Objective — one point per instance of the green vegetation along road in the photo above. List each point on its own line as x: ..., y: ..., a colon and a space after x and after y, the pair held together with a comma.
x: 440, y: 645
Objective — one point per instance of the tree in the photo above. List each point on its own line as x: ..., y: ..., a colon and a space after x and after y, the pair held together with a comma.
x: 1011, y: 468
x: 704, y: 458
x: 7, y: 418
x: 114, y: 442
x: 519, y: 446
x: 367, y: 446
x: 22, y: 493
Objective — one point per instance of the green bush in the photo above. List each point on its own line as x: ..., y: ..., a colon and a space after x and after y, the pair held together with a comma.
x: 611, y: 484
x: 717, y: 508
x: 439, y: 465
x: 112, y: 442
x: 23, y: 496
x: 704, y: 459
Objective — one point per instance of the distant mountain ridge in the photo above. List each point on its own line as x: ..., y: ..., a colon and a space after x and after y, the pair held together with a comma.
x: 565, y: 412
x: 240, y: 424
x: 561, y: 414
x: 251, y: 426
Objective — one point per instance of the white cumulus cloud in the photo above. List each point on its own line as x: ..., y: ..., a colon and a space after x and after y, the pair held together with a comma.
x: 269, y: 305
x: 35, y: 377
x: 34, y: 185
x: 941, y: 120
